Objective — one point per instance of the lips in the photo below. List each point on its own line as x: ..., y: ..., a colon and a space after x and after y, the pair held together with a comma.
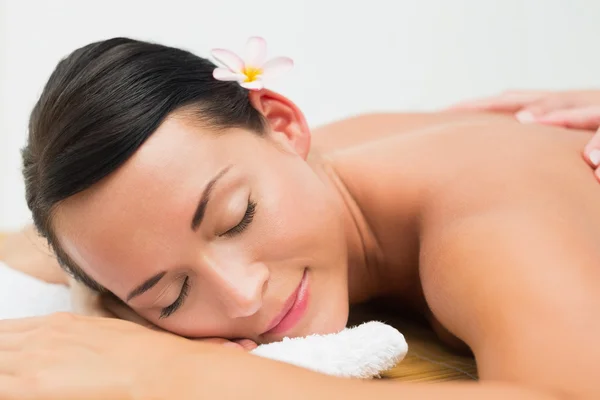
x: 293, y: 309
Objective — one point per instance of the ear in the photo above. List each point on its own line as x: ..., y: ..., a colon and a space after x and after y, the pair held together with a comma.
x: 285, y: 119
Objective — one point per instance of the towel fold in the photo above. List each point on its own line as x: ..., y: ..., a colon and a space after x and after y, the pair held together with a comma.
x: 364, y: 351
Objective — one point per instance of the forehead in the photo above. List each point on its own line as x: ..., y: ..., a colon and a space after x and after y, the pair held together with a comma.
x: 126, y: 226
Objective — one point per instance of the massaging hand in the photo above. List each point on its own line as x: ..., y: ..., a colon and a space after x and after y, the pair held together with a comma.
x: 68, y: 357
x: 571, y: 109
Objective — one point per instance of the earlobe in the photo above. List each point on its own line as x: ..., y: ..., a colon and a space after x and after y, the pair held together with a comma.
x: 284, y: 118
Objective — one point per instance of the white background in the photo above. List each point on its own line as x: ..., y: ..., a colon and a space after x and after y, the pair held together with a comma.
x: 351, y: 56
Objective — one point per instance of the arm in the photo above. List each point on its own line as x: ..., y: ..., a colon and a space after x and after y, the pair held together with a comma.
x: 521, y: 288
x: 271, y: 381
x: 27, y: 252
x: 66, y: 356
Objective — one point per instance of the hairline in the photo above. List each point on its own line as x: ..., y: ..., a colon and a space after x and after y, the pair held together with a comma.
x: 65, y: 261
x: 189, y: 113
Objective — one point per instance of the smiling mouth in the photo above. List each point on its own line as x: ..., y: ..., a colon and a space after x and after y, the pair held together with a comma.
x: 293, y: 310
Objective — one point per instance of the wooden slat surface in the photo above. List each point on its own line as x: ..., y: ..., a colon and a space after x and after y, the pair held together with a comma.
x: 428, y: 359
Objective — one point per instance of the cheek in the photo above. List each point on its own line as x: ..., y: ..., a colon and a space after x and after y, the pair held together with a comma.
x: 200, y: 317
x: 298, y: 217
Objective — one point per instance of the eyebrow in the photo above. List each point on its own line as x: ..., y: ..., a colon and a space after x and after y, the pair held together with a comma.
x: 147, y: 285
x: 200, y: 210
x: 196, y: 221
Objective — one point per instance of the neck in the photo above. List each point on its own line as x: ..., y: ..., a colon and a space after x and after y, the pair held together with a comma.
x: 365, y: 258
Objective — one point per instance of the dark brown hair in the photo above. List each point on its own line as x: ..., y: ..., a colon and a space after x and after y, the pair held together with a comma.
x: 100, y: 105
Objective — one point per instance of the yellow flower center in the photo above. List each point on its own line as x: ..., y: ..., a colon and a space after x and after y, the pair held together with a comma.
x: 252, y: 73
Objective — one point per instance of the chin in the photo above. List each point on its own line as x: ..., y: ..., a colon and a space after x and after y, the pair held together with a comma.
x: 323, y: 319
x: 330, y: 309
x: 333, y: 325
x: 332, y: 320
x: 325, y: 307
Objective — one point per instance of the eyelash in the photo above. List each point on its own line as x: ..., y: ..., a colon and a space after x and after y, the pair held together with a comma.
x: 236, y: 230
x: 246, y: 220
x: 169, y: 310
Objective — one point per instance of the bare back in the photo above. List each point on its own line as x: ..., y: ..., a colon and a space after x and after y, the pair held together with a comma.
x: 490, y: 225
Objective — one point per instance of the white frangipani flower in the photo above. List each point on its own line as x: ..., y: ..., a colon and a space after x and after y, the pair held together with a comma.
x: 250, y: 71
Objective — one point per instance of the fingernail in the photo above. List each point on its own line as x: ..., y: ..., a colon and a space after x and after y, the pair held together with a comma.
x: 525, y: 117
x: 595, y: 157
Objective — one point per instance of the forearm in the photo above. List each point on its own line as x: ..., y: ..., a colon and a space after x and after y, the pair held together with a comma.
x: 27, y: 252
x: 240, y: 376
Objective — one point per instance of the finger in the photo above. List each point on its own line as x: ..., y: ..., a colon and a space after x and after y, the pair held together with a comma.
x: 592, y: 152
x: 11, y: 388
x: 26, y: 326
x: 219, y: 341
x: 247, y: 344
x: 508, y: 102
x: 233, y: 345
x: 575, y: 118
x: 9, y: 362
x: 20, y: 324
x: 598, y: 174
x: 223, y: 342
x: 539, y: 109
x: 12, y: 341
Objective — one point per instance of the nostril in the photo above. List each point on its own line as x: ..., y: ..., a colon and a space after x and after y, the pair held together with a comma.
x: 265, y: 286
x: 247, y: 301
x: 244, y: 294
x: 246, y: 307
x: 253, y: 308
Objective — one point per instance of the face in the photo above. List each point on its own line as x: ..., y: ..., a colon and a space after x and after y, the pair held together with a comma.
x: 208, y: 234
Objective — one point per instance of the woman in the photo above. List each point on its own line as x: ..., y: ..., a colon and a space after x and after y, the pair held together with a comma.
x: 209, y: 211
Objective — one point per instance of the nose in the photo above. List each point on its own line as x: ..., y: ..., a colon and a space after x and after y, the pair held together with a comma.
x: 240, y: 288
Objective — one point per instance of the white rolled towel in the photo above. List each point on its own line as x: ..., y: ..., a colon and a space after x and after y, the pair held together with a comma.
x: 364, y: 351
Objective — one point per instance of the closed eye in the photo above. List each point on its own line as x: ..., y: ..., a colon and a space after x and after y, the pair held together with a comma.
x: 245, y: 222
x: 169, y: 310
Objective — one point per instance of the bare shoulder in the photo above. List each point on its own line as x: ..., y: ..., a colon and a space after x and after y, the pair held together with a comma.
x: 517, y: 276
x: 365, y: 128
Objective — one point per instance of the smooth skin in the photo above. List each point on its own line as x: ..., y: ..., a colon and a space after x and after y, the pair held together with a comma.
x: 488, y: 227
x: 577, y: 109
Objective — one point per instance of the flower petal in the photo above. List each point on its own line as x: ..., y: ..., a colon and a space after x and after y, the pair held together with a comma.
x: 254, y: 85
x: 277, y: 66
x: 224, y: 74
x: 256, y: 52
x: 229, y: 59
